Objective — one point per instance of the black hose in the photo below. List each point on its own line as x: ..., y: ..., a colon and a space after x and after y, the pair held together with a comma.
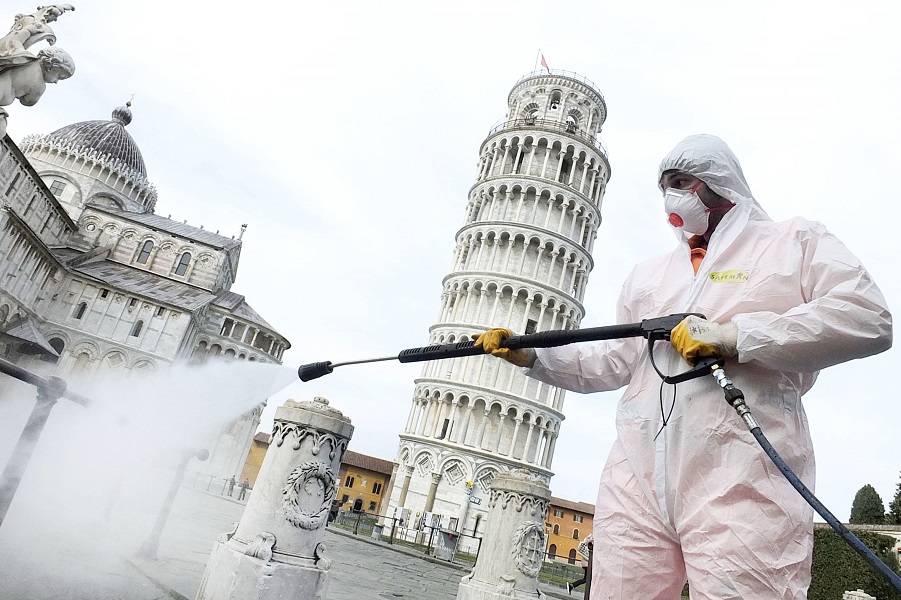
x: 818, y: 506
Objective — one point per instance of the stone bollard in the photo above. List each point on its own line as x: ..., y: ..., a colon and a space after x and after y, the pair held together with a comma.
x: 858, y: 595
x: 513, y: 547
x: 276, y: 550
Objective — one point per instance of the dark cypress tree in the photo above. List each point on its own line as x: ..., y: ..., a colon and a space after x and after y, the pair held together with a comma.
x: 867, y: 507
x: 893, y: 517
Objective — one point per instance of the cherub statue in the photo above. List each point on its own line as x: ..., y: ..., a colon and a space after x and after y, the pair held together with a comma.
x: 24, y: 76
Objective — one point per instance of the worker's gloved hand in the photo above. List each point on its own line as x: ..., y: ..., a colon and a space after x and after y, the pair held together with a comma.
x: 695, y: 337
x: 490, y: 341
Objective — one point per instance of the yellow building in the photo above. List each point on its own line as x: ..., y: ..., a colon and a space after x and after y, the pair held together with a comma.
x: 363, y: 481
x: 568, y: 523
x: 255, y: 456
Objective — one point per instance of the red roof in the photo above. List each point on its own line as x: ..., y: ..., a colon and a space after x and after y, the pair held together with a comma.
x: 581, y: 507
x: 370, y: 463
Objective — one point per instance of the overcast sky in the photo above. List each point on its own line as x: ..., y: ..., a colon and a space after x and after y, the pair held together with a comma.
x: 346, y: 135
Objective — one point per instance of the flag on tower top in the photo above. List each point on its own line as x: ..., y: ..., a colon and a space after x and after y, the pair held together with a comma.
x: 544, y: 64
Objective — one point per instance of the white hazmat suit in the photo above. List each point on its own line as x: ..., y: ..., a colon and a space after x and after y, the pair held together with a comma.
x: 702, y: 501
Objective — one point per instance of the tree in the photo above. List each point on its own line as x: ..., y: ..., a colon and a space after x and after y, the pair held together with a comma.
x: 894, y: 509
x: 867, y: 507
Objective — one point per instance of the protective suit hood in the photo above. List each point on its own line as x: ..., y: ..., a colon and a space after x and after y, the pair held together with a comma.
x: 708, y: 158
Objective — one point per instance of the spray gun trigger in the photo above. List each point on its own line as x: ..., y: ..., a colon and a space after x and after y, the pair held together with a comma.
x: 704, y: 366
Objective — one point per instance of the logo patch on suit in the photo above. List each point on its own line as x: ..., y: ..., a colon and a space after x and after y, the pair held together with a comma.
x: 733, y: 276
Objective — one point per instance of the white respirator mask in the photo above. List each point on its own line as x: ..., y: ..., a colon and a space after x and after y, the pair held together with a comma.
x: 685, y: 211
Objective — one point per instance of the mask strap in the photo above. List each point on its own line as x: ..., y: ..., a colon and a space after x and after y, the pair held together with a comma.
x: 722, y: 207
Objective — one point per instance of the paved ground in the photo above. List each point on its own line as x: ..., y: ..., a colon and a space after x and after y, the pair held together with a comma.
x: 93, y: 566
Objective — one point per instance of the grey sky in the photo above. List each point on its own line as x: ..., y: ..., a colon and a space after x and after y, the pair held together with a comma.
x: 346, y: 135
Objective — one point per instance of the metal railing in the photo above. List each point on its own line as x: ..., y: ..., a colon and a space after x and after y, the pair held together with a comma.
x: 568, y: 128
x: 49, y: 392
x: 432, y: 541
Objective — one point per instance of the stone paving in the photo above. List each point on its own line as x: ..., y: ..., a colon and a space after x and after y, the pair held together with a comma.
x: 362, y: 568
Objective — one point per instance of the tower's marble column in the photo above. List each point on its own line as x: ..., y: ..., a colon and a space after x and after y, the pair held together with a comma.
x: 276, y: 552
x: 513, y: 547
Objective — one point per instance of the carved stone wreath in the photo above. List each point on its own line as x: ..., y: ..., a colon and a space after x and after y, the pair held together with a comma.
x: 528, y: 548
x: 299, y: 502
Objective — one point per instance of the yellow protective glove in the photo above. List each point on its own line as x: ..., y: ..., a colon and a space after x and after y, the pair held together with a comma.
x: 490, y: 341
x: 695, y: 337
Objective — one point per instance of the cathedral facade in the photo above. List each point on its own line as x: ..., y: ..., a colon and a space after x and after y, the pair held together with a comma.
x: 92, y: 280
x: 522, y: 261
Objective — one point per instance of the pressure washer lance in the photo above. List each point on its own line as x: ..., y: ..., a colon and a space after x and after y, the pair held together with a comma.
x: 736, y: 399
x: 651, y: 329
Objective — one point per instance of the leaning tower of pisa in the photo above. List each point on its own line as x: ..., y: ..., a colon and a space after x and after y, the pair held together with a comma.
x: 521, y: 261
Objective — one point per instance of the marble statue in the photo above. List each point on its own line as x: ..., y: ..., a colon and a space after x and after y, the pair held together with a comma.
x: 24, y: 76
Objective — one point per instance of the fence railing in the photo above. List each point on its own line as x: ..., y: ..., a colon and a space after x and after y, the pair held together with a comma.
x: 49, y: 391
x: 446, y: 544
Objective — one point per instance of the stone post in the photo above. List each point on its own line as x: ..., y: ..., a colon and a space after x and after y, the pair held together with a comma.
x: 858, y: 595
x: 513, y: 547
x: 276, y: 551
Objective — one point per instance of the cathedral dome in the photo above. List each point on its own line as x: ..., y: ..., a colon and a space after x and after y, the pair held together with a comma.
x: 107, y: 138
x: 101, y: 150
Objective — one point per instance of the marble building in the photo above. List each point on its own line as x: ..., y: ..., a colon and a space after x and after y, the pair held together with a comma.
x: 522, y: 261
x: 92, y: 280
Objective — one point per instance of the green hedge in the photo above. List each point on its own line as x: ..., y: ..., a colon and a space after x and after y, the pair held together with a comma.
x: 837, y: 568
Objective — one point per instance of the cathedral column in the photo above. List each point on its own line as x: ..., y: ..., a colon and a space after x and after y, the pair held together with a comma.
x: 525, y: 316
x: 538, y: 327
x: 497, y: 299
x: 527, y: 449
x: 531, y: 157
x: 547, y: 155
x: 537, y: 262
x: 408, y: 475
x: 515, y: 434
x: 516, y: 163
x: 433, y: 489
x: 547, y: 447
x: 504, y: 161
x: 584, y: 177
x: 502, y: 418
x: 493, y: 162
x: 482, y: 429
x: 413, y: 412
x: 427, y: 405
x: 566, y: 261
x: 550, y: 207
x: 553, y: 445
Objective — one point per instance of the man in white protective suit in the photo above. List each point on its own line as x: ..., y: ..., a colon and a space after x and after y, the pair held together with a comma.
x: 687, y: 494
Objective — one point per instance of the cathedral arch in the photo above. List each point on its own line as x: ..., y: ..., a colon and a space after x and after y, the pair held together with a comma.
x: 425, y: 462
x: 114, y: 360
x: 144, y: 365
x: 484, y: 475
x: 530, y: 112
x: 184, y: 261
x: 144, y: 250
x: 455, y: 470
x: 137, y: 328
x: 108, y: 200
